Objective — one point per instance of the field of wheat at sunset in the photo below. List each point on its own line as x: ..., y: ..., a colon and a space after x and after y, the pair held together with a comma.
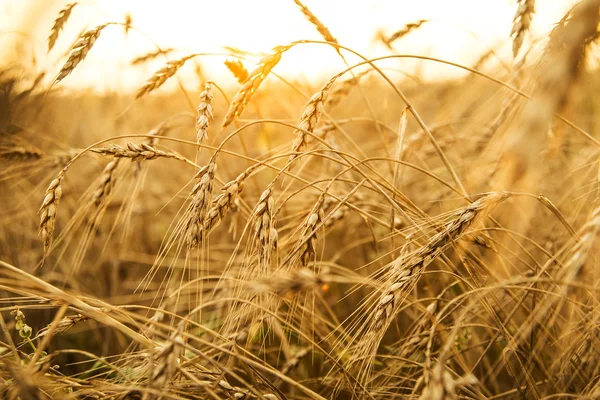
x: 299, y: 199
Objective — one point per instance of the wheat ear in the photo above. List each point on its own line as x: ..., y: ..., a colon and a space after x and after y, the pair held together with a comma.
x: 205, y: 113
x: 79, y: 51
x: 308, y: 120
x: 224, y: 202
x: 521, y: 23
x: 151, y: 55
x: 442, y: 384
x: 107, y: 182
x: 59, y: 23
x: 405, y: 274
x: 199, y: 205
x: 161, y: 76
x: 405, y: 30
x: 255, y: 78
x: 165, y: 362
x: 48, y: 210
x: 136, y: 152
x: 321, y: 28
x: 238, y: 70
x: 264, y: 229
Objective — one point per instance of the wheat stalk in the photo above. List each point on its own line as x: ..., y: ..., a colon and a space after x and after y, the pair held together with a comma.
x: 79, y: 51
x: 59, y: 23
x: 127, y: 24
x: 521, y: 23
x: 565, y: 51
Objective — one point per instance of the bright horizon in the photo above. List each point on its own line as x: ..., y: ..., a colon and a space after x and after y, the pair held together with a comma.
x: 459, y: 31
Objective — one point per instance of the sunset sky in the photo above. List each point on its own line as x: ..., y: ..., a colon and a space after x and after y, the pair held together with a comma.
x: 459, y: 31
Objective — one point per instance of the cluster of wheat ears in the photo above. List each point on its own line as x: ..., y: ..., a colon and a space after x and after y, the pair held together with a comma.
x: 392, y: 239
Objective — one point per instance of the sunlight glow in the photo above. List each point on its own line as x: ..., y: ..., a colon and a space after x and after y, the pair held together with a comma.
x: 459, y: 31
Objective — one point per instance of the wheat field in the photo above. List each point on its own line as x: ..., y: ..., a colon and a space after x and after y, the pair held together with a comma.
x: 362, y: 236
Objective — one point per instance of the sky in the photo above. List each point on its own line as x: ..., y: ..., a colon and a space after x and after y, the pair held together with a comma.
x: 458, y: 31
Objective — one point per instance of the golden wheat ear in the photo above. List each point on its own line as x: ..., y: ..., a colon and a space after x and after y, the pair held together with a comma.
x: 59, y: 23
x: 79, y: 51
x: 252, y: 83
x: 521, y: 23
